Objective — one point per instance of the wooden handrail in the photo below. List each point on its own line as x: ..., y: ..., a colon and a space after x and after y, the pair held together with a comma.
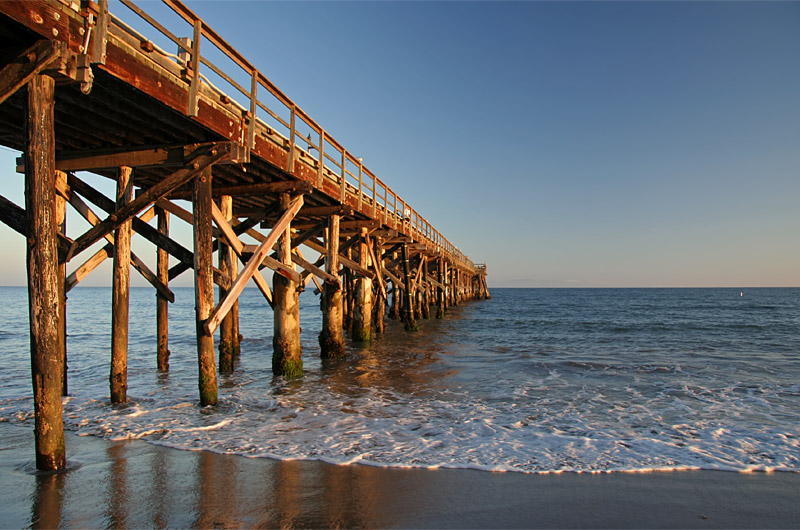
x: 365, y: 192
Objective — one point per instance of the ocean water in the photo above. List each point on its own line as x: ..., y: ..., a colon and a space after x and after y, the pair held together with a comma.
x: 533, y: 380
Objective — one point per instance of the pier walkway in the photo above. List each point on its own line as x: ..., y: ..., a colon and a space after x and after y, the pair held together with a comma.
x: 171, y: 112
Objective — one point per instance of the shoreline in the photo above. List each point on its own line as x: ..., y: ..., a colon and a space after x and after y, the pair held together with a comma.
x: 138, y: 484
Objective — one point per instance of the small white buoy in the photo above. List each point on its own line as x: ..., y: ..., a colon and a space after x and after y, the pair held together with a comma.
x: 741, y: 294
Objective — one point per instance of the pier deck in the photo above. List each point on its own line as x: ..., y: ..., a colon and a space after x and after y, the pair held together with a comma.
x: 81, y: 90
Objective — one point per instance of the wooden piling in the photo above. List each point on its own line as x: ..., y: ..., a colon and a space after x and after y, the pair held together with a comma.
x: 394, y: 308
x: 204, y: 286
x: 362, y: 307
x: 408, y: 305
x: 331, y: 341
x: 120, y: 293
x: 162, y: 307
x: 425, y: 309
x: 227, y: 342
x: 287, y: 354
x: 348, y: 286
x: 440, y: 294
x: 42, y: 262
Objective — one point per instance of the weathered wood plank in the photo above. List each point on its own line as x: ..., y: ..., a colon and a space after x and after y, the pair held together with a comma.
x: 262, y: 188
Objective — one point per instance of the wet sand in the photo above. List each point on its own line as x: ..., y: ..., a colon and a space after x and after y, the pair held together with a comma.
x: 139, y: 485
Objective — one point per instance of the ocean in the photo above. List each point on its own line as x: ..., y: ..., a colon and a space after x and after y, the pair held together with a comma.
x: 532, y: 381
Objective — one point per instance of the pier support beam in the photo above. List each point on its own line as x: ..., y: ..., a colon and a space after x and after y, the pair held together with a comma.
x: 331, y: 341
x: 204, y: 286
x: 287, y: 354
x: 162, y: 309
x: 227, y: 340
x: 47, y: 368
x: 408, y: 303
x: 120, y: 293
x: 362, y: 310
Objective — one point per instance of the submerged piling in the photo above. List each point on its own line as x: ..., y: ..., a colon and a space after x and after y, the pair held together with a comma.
x: 204, y: 286
x: 120, y: 294
x: 286, y: 356
x: 42, y: 262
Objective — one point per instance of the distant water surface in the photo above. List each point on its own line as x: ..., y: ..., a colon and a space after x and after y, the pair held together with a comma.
x: 533, y: 380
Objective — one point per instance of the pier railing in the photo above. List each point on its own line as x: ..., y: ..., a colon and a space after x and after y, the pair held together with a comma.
x: 207, y: 59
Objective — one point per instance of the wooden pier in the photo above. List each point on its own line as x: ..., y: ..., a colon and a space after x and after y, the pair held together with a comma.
x: 81, y: 90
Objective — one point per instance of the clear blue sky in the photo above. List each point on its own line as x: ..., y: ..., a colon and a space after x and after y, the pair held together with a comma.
x: 564, y: 143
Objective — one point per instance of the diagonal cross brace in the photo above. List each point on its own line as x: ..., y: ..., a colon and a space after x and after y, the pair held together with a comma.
x: 137, y: 263
x: 237, y: 246
x: 207, y: 156
x: 213, y: 322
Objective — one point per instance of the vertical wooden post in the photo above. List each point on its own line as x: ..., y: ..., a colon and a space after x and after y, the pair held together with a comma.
x: 287, y: 354
x: 362, y: 310
x: 204, y: 286
x: 331, y: 341
x: 453, y: 286
x: 61, y: 220
x: 408, y: 305
x: 120, y: 293
x: 446, y: 283
x: 162, y: 307
x: 394, y: 307
x: 42, y: 261
x: 440, y: 305
x: 226, y: 258
x: 348, y: 295
x: 425, y: 300
x: 380, y: 302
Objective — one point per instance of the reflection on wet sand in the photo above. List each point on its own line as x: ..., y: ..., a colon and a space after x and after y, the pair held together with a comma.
x: 118, y: 496
x: 139, y: 485
x: 46, y: 508
x: 134, y: 484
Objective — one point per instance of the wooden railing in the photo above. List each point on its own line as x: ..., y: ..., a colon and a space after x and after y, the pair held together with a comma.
x: 272, y: 111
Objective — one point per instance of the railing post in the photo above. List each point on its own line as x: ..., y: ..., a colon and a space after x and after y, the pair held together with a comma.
x: 290, y: 164
x: 360, y: 183
x: 251, y: 127
x: 320, y: 173
x: 374, y: 199
x: 343, y: 183
x: 194, y: 66
x: 100, y: 33
x: 395, y: 210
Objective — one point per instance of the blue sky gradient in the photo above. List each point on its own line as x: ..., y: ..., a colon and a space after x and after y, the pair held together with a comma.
x: 564, y: 143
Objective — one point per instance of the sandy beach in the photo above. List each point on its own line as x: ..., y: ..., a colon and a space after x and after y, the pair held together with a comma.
x: 139, y: 485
